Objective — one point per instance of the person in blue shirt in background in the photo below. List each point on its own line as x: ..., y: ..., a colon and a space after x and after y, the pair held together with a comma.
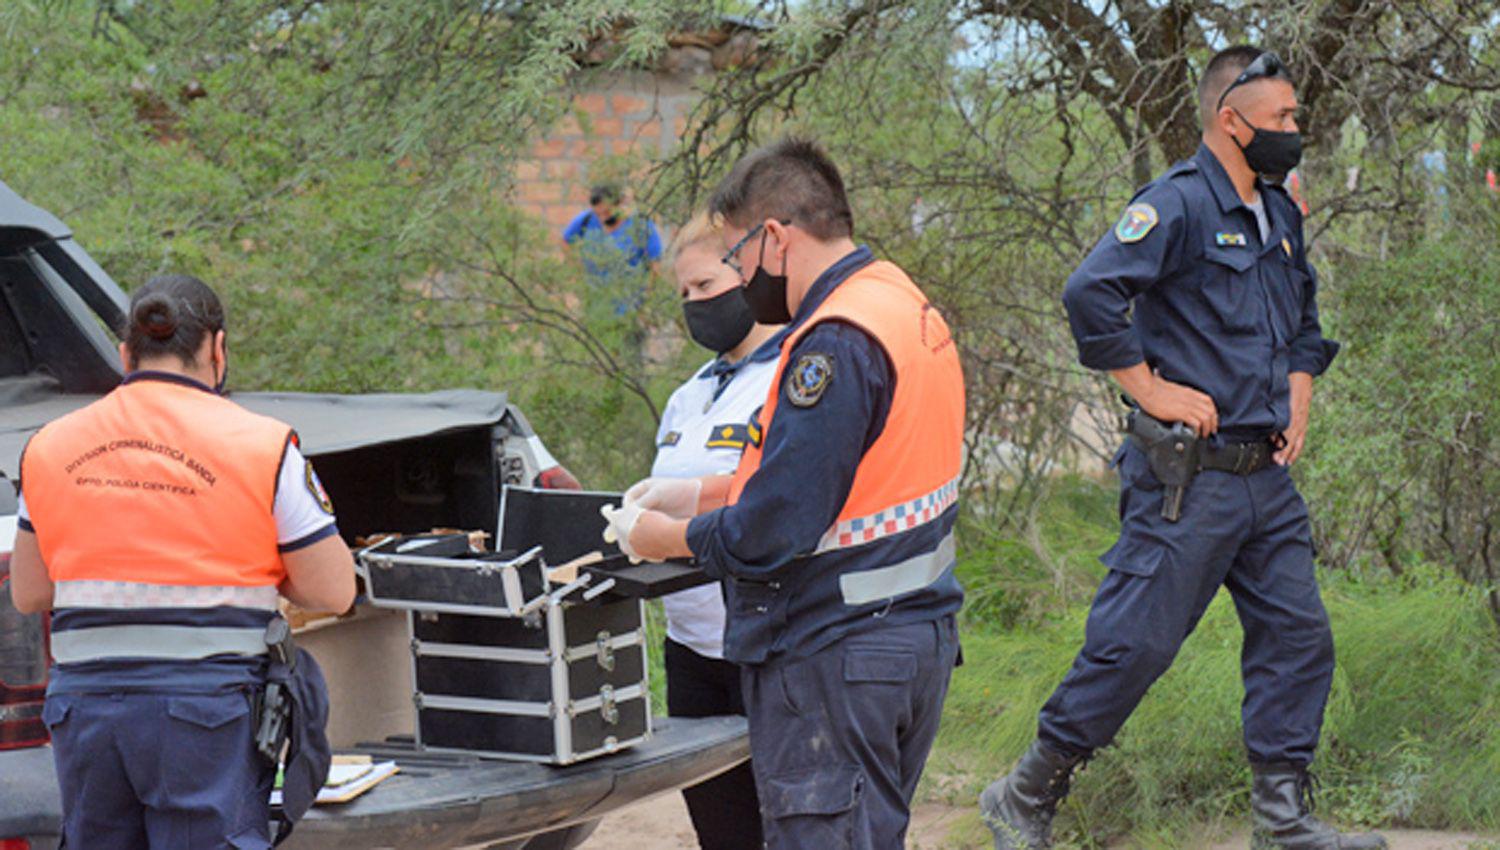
x: 706, y: 425
x: 614, y: 245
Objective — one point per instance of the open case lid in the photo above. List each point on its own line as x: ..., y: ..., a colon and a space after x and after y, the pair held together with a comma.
x: 567, y: 525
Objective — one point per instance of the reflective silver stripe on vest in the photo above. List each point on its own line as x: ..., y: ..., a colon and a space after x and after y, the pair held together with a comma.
x: 176, y: 643
x: 95, y: 593
x: 915, y: 573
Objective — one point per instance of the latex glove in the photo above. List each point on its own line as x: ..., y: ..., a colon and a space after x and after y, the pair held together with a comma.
x: 675, y: 497
x: 619, y: 522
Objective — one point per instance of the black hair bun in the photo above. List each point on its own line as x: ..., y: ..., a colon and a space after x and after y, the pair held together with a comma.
x: 156, y: 315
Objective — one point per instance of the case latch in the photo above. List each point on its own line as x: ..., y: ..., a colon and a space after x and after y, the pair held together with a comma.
x: 605, y: 651
x: 607, y: 708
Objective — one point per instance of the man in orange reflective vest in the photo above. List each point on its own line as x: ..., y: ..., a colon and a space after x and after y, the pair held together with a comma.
x: 834, y: 538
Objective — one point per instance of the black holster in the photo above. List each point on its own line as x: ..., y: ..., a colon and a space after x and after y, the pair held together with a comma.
x: 274, y: 708
x: 290, y: 725
x: 1173, y: 453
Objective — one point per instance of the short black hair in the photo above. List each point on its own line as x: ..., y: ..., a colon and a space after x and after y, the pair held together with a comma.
x: 604, y: 192
x: 171, y: 315
x: 1218, y: 74
x: 791, y: 180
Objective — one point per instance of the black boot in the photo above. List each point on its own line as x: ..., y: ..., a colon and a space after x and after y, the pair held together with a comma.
x: 1281, y: 802
x: 1018, y: 807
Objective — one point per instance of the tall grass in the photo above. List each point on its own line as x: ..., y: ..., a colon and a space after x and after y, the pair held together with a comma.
x: 1412, y: 733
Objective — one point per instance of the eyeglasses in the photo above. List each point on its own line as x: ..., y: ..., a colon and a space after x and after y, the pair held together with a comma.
x: 1267, y: 65
x: 730, y: 259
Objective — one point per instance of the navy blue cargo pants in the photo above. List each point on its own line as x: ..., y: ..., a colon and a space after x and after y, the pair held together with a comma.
x: 838, y: 740
x: 1247, y: 533
x: 156, y: 770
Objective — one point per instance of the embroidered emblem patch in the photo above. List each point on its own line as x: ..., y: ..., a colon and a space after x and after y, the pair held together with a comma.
x: 808, y: 378
x: 935, y: 333
x: 1136, y: 223
x: 671, y: 438
x: 1233, y: 240
x: 753, y: 429
x: 728, y: 437
x: 315, y: 487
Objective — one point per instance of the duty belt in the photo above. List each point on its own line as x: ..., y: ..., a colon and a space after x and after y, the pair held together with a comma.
x: 1237, y: 458
x: 1176, y: 455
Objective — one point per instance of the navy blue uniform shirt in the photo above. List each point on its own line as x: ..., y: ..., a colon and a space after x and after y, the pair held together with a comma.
x: 811, y: 454
x: 1215, y: 307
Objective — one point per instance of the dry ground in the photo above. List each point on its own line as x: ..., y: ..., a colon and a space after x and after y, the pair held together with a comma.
x: 661, y: 823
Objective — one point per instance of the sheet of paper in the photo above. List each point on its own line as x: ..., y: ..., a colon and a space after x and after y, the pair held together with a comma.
x: 350, y: 789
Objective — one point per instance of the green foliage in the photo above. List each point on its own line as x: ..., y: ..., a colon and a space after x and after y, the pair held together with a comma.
x: 1016, y: 581
x: 1406, y: 437
x: 1412, y: 735
x: 344, y: 195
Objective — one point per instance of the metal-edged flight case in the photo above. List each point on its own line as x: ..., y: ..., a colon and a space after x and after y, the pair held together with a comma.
x: 507, y: 664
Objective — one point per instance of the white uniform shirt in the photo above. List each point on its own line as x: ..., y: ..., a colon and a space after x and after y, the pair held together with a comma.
x: 702, y: 434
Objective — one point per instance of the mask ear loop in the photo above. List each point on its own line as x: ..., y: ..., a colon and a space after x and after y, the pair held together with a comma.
x: 764, y: 232
x: 224, y: 376
x: 1246, y: 121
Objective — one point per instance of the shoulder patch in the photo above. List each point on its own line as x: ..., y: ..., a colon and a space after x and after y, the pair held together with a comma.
x: 315, y: 487
x: 808, y: 378
x: 671, y: 438
x: 1137, y: 221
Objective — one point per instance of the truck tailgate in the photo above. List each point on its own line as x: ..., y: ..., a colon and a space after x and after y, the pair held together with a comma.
x: 452, y: 800
x: 448, y: 800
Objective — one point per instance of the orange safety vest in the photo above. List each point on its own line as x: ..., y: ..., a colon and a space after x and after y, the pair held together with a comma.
x: 910, y: 475
x: 158, y: 496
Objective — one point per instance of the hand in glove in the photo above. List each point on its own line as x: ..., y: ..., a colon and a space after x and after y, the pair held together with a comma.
x: 675, y: 497
x: 619, y: 522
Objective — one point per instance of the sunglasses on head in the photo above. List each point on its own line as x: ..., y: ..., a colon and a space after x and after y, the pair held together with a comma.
x: 1266, y: 66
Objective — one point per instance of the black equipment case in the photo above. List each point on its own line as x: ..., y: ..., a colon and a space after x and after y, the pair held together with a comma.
x: 509, y: 665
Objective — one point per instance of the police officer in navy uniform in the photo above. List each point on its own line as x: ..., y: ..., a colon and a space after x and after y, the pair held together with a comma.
x: 1224, y: 338
x: 835, y: 535
x: 159, y: 524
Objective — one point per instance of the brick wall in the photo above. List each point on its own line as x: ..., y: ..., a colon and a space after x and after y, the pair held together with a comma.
x: 634, y: 116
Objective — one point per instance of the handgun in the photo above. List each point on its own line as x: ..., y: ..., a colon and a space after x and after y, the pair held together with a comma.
x: 1172, y: 452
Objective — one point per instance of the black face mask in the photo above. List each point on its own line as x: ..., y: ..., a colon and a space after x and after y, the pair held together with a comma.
x: 1271, y: 153
x: 612, y: 220
x: 721, y: 322
x: 766, y: 292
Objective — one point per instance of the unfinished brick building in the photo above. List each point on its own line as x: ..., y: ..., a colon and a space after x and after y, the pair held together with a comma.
x: 622, y: 118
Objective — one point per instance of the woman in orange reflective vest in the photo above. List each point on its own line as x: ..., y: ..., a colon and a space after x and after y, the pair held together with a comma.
x: 160, y: 525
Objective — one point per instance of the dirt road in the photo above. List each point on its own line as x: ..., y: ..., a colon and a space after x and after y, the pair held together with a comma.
x: 662, y: 824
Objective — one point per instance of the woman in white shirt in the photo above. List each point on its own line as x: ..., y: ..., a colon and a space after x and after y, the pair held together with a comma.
x: 704, y: 429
